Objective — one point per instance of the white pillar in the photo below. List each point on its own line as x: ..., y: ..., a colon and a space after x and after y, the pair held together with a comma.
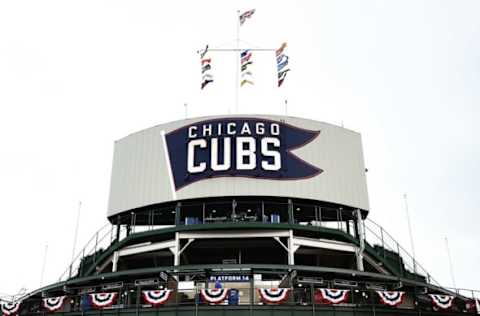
x: 116, y: 254
x: 291, y: 251
x: 361, y: 236
x: 176, y: 253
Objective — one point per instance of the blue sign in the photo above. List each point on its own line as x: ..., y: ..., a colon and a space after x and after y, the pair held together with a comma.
x: 238, y: 147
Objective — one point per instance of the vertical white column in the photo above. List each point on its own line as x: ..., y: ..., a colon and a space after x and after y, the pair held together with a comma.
x: 115, y: 261
x: 291, y: 251
x: 176, y: 253
x: 361, y: 236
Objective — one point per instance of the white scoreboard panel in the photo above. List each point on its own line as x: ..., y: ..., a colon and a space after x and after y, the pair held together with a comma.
x: 218, y: 156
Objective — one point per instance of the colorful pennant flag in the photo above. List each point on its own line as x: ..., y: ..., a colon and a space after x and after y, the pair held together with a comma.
x: 274, y: 296
x: 246, y: 15
x: 246, y: 76
x: 205, y: 62
x: 282, y: 63
x: 279, y: 51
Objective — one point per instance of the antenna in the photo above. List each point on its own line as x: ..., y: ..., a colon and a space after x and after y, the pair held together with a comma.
x: 76, y: 234
x: 44, y: 264
x: 450, y: 263
x: 186, y: 109
x: 286, y: 107
x: 410, y: 233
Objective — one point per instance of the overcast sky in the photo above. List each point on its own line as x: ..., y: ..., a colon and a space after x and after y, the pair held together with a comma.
x: 77, y: 75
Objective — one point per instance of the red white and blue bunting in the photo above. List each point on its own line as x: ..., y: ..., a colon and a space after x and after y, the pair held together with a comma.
x: 442, y: 301
x: 9, y: 309
x: 333, y: 296
x: 53, y: 304
x: 274, y: 296
x: 214, y: 296
x: 391, y: 298
x: 156, y: 297
x: 102, y: 300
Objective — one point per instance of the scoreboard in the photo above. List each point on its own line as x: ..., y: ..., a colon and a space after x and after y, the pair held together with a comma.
x: 261, y: 155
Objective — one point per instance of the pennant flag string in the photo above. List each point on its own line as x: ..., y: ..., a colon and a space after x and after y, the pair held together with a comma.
x: 246, y: 15
x: 282, y: 63
x: 205, y: 62
x: 245, y: 63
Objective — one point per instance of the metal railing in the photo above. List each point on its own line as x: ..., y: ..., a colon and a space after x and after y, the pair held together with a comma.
x: 99, y: 242
x: 375, y: 235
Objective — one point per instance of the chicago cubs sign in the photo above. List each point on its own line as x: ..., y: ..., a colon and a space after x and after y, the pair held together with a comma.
x: 238, y: 147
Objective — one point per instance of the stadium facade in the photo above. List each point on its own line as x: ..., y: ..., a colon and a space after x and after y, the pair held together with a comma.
x: 242, y: 215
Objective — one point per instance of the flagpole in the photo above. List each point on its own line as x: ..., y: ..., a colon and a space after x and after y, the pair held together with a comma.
x: 450, y: 263
x: 237, y: 59
x: 410, y: 233
x: 44, y: 264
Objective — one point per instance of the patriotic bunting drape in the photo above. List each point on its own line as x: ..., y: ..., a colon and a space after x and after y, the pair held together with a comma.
x: 391, y: 298
x: 246, y: 15
x: 206, y: 63
x: 333, y: 296
x: 53, y: 304
x: 442, y: 301
x: 274, y: 296
x: 10, y: 309
x: 214, y: 296
x: 102, y: 300
x: 156, y: 297
x: 245, y: 64
x: 282, y: 64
